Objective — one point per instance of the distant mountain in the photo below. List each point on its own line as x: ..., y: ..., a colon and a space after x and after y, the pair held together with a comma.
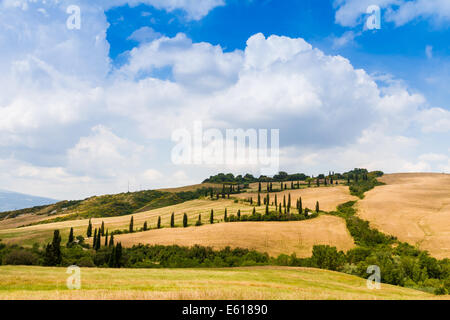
x: 14, y: 201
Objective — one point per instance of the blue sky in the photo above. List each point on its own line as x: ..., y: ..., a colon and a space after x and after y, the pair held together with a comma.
x: 86, y: 110
x: 399, y: 51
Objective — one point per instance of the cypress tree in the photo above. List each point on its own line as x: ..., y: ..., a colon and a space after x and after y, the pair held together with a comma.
x: 118, y: 255
x: 289, y: 202
x: 99, y: 239
x: 106, y: 238
x: 111, y: 241
x: 318, y: 182
x: 280, y: 208
x: 292, y: 185
x: 239, y: 214
x: 225, y: 216
x: 52, y: 256
x: 102, y: 229
x: 94, y: 241
x: 254, y: 211
x: 144, y: 228
x: 267, y: 208
x: 251, y: 200
x: 211, y: 217
x: 185, y: 220
x: 70, y: 241
x: 199, y: 221
x: 158, y: 224
x: 276, y: 201
x: 300, y: 206
x: 284, y: 201
x: 259, y: 186
x: 309, y: 183
x: 259, y: 199
x: 172, y: 220
x: 89, y: 229
x: 131, y: 224
x: 317, y: 206
x: 112, y: 256
x: 271, y: 187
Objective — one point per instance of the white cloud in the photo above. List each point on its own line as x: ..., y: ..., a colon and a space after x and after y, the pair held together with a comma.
x: 72, y: 126
x: 429, y: 51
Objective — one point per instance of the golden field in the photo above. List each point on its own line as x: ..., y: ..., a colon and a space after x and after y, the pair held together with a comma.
x: 275, y: 238
x: 415, y: 207
x: 249, y: 283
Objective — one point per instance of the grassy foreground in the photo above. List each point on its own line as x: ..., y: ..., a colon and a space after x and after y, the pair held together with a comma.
x: 20, y: 282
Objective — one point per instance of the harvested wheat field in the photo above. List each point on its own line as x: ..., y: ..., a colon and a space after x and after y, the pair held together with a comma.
x: 43, y: 232
x: 252, y: 283
x: 415, y: 207
x: 329, y: 197
x: 272, y: 237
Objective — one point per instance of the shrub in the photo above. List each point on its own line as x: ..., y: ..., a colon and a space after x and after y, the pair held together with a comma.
x: 21, y: 257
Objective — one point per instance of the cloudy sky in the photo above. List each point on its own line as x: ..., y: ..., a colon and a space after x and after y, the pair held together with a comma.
x: 88, y: 111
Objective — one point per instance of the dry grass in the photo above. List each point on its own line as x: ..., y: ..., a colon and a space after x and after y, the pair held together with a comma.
x: 329, y: 197
x: 253, y: 283
x: 415, y: 207
x: 271, y: 237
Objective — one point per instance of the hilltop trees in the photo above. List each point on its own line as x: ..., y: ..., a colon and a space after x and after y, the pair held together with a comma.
x: 52, y: 256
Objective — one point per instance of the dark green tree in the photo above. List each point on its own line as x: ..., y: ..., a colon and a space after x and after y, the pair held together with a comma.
x: 158, y: 224
x: 111, y: 240
x: 172, y: 220
x: 52, y: 255
x: 144, y: 228
x: 317, y: 206
x: 71, y: 238
x: 225, y: 215
x: 94, y: 241
x: 89, y: 229
x: 185, y: 220
x: 259, y: 199
x: 211, y: 217
x: 106, y: 238
x: 300, y: 205
x: 131, y: 229
x: 102, y: 229
x: 239, y: 214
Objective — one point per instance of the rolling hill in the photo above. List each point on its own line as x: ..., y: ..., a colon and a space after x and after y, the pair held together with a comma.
x: 415, y: 207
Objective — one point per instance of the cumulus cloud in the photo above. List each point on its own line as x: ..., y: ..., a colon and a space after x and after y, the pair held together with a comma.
x: 71, y: 125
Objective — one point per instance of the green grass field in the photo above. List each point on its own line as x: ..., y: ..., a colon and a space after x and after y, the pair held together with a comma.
x: 20, y: 282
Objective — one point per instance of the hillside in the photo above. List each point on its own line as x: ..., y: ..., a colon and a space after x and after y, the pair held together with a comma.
x: 280, y: 283
x: 415, y: 207
x: 272, y: 237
